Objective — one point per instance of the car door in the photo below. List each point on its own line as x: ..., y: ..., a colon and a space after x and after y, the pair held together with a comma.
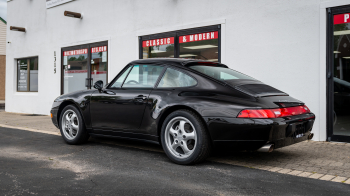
x: 119, y: 108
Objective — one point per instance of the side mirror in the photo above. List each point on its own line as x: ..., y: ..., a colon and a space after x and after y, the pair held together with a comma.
x: 98, y: 85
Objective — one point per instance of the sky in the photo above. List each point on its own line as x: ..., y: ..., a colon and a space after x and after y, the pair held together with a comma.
x: 3, y: 9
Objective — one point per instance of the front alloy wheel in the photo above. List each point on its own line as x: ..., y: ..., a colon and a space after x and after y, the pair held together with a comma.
x: 70, y: 124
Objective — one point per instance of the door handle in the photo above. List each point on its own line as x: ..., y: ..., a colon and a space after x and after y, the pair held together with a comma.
x: 141, y: 97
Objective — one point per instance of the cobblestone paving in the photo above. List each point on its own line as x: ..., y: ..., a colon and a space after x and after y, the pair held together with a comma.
x: 319, y: 160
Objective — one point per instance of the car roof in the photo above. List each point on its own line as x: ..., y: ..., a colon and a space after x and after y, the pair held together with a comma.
x: 179, y: 61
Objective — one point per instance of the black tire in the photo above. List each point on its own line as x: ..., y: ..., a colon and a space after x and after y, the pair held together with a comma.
x: 203, y: 144
x: 82, y: 135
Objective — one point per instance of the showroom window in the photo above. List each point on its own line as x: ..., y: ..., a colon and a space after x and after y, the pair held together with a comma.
x: 83, y: 65
x: 158, y: 48
x: 27, y: 75
x: 198, y: 43
x: 200, y: 46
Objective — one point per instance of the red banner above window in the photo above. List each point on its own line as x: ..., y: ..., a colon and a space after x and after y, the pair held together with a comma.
x: 341, y: 18
x: 199, y: 37
x: 99, y: 49
x: 75, y: 52
x: 158, y: 42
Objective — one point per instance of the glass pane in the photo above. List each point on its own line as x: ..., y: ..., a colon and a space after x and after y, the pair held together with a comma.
x: 144, y: 76
x: 33, y: 75
x: 75, y: 70
x: 118, y: 83
x: 99, y: 64
x: 341, y: 76
x: 220, y: 73
x: 158, y: 48
x: 22, y: 75
x: 173, y: 78
x: 200, y: 46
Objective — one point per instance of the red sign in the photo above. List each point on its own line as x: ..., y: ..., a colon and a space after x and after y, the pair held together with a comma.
x: 99, y: 49
x: 75, y: 52
x: 199, y: 37
x: 341, y: 18
x: 158, y: 42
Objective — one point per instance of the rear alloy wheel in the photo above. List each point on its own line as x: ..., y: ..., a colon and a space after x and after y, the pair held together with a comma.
x: 72, y: 127
x: 184, y: 138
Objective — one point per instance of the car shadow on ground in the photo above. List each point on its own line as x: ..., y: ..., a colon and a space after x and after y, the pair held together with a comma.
x: 244, y: 156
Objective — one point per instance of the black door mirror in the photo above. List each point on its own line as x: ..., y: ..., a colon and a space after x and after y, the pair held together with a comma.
x: 98, y: 85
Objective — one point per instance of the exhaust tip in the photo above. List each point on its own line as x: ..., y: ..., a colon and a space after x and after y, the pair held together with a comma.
x: 311, y: 135
x: 266, y: 148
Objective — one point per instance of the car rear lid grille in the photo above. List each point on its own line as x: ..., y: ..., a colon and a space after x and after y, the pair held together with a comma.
x: 260, y: 90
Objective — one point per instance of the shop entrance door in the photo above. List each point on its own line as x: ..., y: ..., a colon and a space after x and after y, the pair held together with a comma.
x: 339, y: 75
x: 83, y: 65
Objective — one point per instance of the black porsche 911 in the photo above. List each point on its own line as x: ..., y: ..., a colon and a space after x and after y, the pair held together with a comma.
x: 187, y: 106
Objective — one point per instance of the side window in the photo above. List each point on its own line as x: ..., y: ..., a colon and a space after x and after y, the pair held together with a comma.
x: 173, y: 78
x: 225, y: 76
x: 118, y: 83
x: 143, y: 76
x: 27, y: 75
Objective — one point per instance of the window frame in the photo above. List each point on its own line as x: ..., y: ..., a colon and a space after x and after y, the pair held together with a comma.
x: 179, y: 70
x: 28, y: 74
x: 177, y: 34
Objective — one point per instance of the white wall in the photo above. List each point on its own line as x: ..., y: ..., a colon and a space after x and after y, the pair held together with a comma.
x: 275, y: 41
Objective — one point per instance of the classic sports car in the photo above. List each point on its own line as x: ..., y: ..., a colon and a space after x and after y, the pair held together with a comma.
x: 187, y: 106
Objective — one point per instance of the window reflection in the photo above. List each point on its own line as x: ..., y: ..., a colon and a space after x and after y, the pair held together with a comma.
x: 33, y: 75
x: 27, y: 76
x: 158, y: 48
x: 200, y: 46
x: 75, y: 70
x: 99, y: 64
x: 341, y: 79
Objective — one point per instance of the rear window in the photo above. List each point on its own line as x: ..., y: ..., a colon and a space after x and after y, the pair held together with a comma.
x: 220, y: 73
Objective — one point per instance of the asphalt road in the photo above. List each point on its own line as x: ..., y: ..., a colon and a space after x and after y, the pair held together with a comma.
x: 42, y: 164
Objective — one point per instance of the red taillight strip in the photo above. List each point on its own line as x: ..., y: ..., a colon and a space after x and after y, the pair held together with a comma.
x: 273, y: 113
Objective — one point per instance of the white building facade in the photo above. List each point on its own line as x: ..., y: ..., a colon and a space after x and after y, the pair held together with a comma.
x: 285, y: 44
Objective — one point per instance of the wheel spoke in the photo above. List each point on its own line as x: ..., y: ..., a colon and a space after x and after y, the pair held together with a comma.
x: 70, y: 132
x: 73, y: 116
x: 67, y: 117
x: 185, y: 148
x: 74, y: 126
x: 172, y: 132
x: 182, y: 126
x: 189, y: 136
x: 175, y: 145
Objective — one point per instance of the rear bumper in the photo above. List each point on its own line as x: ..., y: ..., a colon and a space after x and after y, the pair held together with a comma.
x: 251, y: 134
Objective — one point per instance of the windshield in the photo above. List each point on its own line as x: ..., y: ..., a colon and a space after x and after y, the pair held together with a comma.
x: 220, y: 73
